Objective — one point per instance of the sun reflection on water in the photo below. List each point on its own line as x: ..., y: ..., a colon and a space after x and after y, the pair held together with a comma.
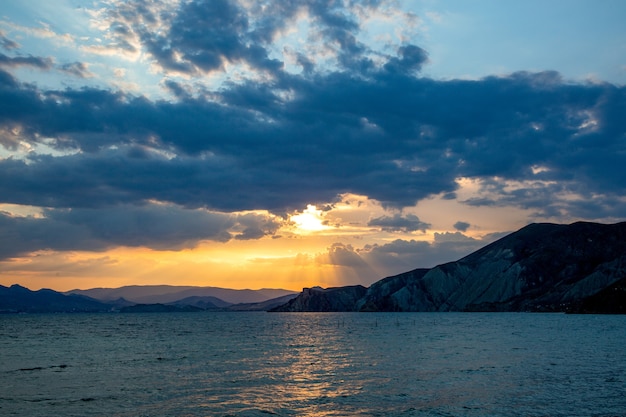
x: 308, y: 373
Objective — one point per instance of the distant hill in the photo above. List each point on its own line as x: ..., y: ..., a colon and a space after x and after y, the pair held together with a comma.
x: 159, y: 308
x: 206, y: 303
x: 263, y: 305
x: 152, y: 294
x: 17, y: 299
x: 542, y: 267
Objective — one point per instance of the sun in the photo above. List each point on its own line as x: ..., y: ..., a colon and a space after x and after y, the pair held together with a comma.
x: 310, y: 220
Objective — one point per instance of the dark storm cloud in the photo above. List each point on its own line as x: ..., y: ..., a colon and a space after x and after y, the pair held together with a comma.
x: 394, y: 138
x: 161, y: 227
x: 398, y: 222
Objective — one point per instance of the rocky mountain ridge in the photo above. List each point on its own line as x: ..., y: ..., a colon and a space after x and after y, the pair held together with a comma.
x: 18, y: 299
x: 579, y: 267
x: 154, y: 294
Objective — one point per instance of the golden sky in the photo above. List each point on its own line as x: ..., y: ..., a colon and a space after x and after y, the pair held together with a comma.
x: 327, y: 247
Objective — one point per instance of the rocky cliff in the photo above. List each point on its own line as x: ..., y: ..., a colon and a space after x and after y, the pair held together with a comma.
x: 320, y: 299
x: 542, y: 267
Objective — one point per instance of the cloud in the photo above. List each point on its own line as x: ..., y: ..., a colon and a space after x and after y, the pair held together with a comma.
x: 41, y: 32
x: 375, y: 261
x: 398, y: 222
x: 6, y: 43
x: 461, y: 226
x: 77, y: 69
x: 197, y: 37
x: 25, y: 61
x: 351, y: 267
x: 284, y: 153
x: 403, y: 255
x: 340, y: 254
x: 255, y: 226
x: 410, y: 58
x: 192, y: 37
x: 155, y: 226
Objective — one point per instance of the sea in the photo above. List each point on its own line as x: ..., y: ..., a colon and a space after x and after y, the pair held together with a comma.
x: 312, y: 364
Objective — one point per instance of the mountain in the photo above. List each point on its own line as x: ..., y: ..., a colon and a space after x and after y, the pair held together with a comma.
x: 17, y: 299
x: 612, y: 299
x: 579, y: 267
x: 153, y: 294
x: 205, y: 303
x: 263, y: 305
x: 159, y: 308
x: 321, y: 299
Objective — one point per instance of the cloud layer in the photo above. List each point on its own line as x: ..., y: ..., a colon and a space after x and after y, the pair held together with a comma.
x: 396, y: 139
x: 289, y: 125
x: 160, y: 227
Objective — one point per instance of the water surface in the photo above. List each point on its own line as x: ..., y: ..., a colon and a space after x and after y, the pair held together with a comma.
x: 309, y: 364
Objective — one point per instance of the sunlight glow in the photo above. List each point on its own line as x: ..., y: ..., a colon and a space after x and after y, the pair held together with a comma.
x: 310, y: 220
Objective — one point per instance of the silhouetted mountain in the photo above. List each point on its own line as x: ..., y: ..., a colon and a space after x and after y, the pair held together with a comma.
x: 542, y: 267
x: 611, y: 300
x: 205, y: 303
x: 17, y: 299
x: 119, y: 303
x: 159, y: 308
x: 150, y: 294
x: 320, y: 299
x: 264, y: 305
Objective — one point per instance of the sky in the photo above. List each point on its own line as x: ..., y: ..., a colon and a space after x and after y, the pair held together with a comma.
x: 288, y: 144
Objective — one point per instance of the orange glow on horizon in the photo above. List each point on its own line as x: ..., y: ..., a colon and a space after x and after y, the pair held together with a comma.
x: 236, y: 265
x: 314, y: 248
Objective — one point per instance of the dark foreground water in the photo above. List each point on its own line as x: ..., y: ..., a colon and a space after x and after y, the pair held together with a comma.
x: 261, y: 364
